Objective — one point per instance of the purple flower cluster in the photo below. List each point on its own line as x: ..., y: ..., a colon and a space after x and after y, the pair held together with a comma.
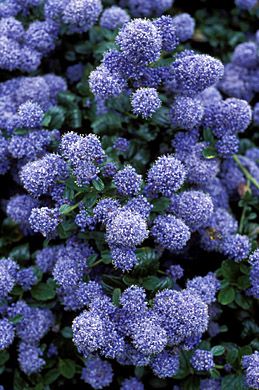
x: 241, y: 76
x: 174, y: 318
x: 250, y: 364
x: 24, y: 100
x: 202, y: 360
x: 23, y: 49
x: 140, y: 42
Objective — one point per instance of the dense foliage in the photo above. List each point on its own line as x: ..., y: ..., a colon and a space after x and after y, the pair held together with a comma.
x: 129, y: 168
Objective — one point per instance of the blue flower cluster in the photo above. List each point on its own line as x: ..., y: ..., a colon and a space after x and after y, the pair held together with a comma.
x: 136, y: 331
x: 250, y: 364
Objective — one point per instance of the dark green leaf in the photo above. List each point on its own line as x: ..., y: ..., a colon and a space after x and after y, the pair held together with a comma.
x: 66, y: 209
x: 226, y: 295
x: 57, y: 115
x: 19, y: 383
x: 91, y: 259
x: 230, y: 270
x: 243, y: 282
x: 39, y: 386
x: 151, y: 283
x: 160, y: 205
x: 184, y: 366
x: 148, y: 262
x: 43, y: 291
x: 255, y: 344
x: 191, y: 383
x: 21, y: 252
x: 208, y: 136
x: 106, y: 257
x: 75, y: 118
x: 128, y: 280
x: 89, y: 200
x: 209, y: 152
x: 233, y: 382
x: 51, y: 376
x: 67, y: 332
x: 139, y: 372
x: 66, y: 98
x: 217, y: 350
x: 4, y: 357
x: 16, y: 319
x: 98, y: 184
x: 246, y: 350
x: 214, y: 373
x: 67, y: 368
x: 116, y: 296
x: 232, y: 354
x: 17, y: 290
x: 103, y: 122
x: 243, y: 301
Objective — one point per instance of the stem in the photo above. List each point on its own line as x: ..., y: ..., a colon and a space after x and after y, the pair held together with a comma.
x: 218, y: 366
x: 97, y: 263
x: 161, y: 272
x: 246, y: 172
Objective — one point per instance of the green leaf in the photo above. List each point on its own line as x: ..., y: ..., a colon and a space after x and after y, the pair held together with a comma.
x: 161, y: 117
x: 51, y: 376
x: 19, y: 383
x: 250, y: 328
x: 243, y: 282
x: 91, y: 260
x: 106, y: 257
x: 184, y: 370
x: 39, y: 386
x: 208, y: 136
x: 148, y: 262
x: 98, y: 184
x: 67, y: 368
x: 214, y: 373
x: 160, y: 205
x: 217, y: 350
x: 191, y: 383
x: 255, y: 344
x: 89, y: 200
x: 21, y: 252
x: 116, y: 296
x: 16, y: 319
x: 17, y: 290
x: 57, y: 117
x: 232, y: 354
x: 230, y: 270
x: 139, y: 371
x: 67, y: 332
x: 4, y: 357
x: 66, y: 209
x: 233, y: 382
x: 151, y: 283
x: 104, y: 122
x: 226, y: 295
x: 128, y: 280
x: 243, y: 301
x: 209, y: 152
x: 246, y: 350
x: 44, y: 291
x: 75, y: 118
x: 66, y: 98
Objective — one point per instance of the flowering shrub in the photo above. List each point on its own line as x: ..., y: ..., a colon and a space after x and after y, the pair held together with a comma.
x: 130, y: 178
